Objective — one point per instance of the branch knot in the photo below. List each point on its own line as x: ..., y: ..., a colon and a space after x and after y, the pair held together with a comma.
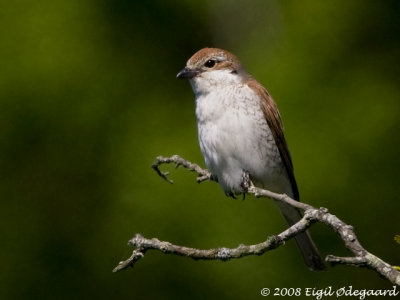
x: 224, y: 254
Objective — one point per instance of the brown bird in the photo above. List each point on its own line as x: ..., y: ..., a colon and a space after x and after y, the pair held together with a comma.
x: 241, y: 134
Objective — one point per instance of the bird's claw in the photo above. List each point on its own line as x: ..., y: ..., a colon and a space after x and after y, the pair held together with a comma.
x: 231, y: 194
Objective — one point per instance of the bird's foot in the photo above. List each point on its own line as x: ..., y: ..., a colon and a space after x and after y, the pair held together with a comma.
x: 214, y: 177
x: 231, y: 194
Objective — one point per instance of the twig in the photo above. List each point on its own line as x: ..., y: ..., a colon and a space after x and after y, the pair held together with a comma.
x: 361, y: 258
x: 179, y: 161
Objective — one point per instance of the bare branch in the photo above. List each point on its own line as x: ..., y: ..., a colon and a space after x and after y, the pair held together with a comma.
x: 179, y: 161
x: 136, y: 255
x: 360, y: 258
x: 354, y: 261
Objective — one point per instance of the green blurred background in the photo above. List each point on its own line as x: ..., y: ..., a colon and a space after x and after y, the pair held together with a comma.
x: 88, y: 99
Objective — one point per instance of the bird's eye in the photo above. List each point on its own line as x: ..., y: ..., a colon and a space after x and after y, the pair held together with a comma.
x: 210, y: 63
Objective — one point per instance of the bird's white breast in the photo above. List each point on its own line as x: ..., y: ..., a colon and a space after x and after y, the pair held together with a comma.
x: 235, y: 137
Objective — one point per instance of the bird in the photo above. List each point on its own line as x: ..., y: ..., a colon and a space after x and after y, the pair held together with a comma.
x: 241, y: 136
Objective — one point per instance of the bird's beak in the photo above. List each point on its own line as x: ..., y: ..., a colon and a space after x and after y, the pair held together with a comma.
x: 187, y: 73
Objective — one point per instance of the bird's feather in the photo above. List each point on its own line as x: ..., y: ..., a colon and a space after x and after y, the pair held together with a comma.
x: 274, y: 121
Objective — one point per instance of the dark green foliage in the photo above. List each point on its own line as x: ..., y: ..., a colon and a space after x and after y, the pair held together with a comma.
x: 88, y: 99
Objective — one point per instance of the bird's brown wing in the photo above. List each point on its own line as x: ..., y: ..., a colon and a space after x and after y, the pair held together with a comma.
x: 274, y: 121
x: 292, y: 215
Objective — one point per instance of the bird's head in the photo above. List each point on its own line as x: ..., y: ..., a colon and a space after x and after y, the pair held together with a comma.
x: 212, y: 67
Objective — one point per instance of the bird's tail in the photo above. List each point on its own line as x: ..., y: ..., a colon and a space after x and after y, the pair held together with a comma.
x: 303, y: 240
